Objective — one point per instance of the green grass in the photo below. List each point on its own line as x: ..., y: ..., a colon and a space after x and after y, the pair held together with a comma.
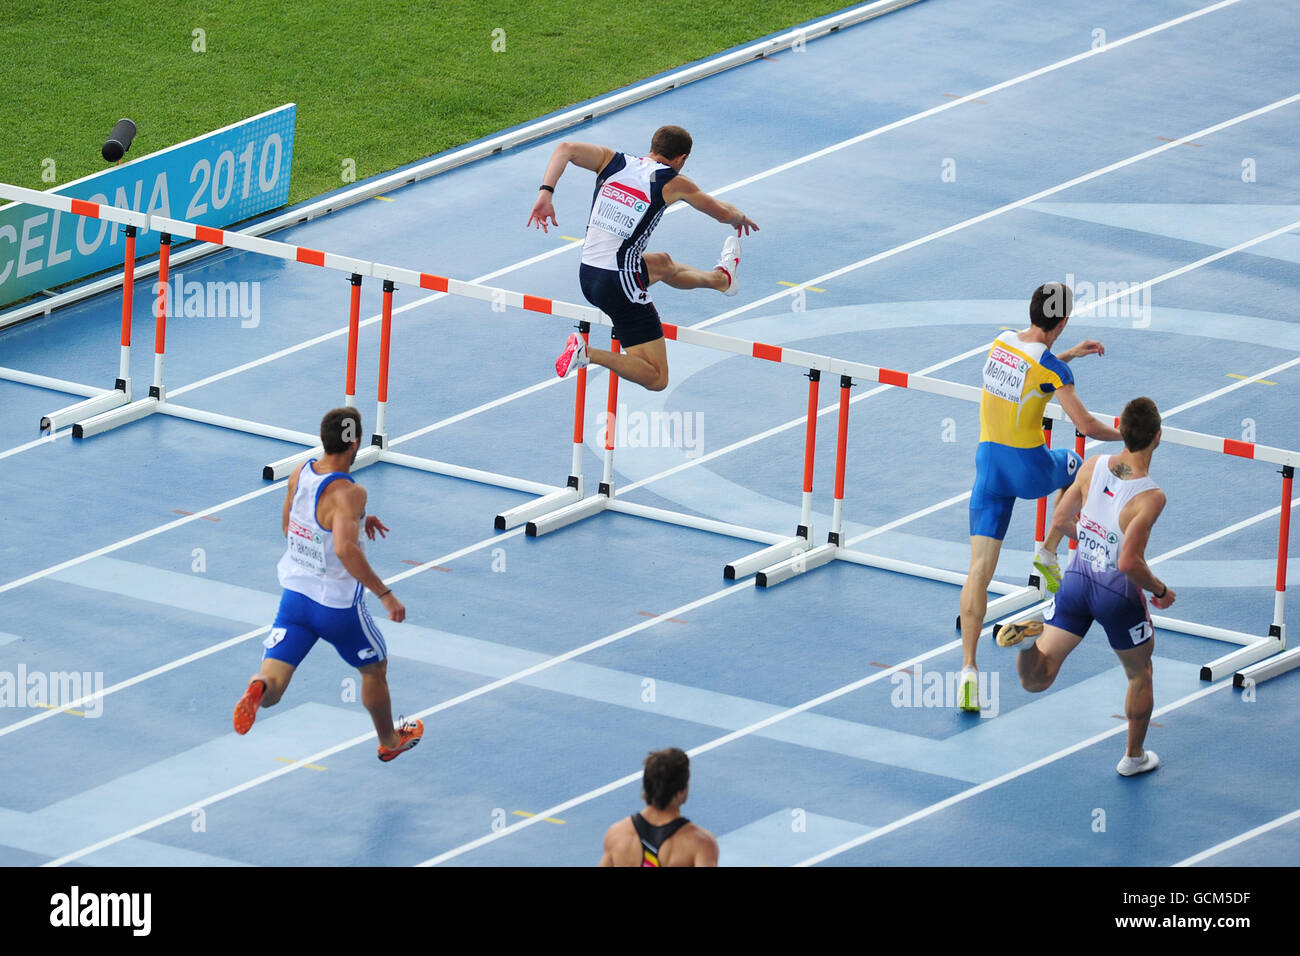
x: 381, y: 84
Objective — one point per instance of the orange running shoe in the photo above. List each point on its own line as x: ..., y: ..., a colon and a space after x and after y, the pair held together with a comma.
x: 408, y: 735
x: 246, y: 709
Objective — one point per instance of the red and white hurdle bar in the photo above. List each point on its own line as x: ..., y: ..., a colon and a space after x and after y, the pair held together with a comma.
x: 806, y: 557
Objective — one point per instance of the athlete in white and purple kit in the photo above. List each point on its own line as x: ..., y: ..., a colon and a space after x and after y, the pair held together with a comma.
x: 1105, y: 581
x: 616, y: 272
x: 324, y: 573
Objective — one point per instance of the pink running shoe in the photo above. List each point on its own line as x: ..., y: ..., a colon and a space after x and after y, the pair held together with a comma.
x: 573, y: 356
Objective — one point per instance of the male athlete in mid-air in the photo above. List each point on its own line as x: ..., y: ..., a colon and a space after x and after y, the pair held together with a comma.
x: 1020, y: 375
x: 659, y: 835
x: 324, y: 573
x: 1117, y: 504
x: 616, y: 272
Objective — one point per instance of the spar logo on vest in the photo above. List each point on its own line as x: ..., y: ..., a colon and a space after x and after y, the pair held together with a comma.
x: 619, y: 208
x: 637, y: 201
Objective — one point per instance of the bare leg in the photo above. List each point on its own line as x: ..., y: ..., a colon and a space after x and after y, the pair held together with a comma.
x: 1054, y: 535
x: 1140, y: 698
x: 663, y: 268
x: 375, y: 698
x: 1039, y: 663
x: 984, y: 553
x: 275, y: 676
x: 645, y: 364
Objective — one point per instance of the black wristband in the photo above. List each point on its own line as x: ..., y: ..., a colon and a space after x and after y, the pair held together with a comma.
x: 549, y: 189
x: 385, y: 594
x: 1163, y: 591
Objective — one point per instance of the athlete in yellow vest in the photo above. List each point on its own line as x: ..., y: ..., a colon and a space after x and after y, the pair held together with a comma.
x: 1021, y: 375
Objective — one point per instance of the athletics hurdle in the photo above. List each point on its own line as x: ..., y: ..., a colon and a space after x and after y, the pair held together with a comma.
x: 100, y: 400
x: 579, y: 506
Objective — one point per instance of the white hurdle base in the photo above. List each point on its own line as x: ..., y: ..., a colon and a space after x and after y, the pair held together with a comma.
x: 785, y: 548
x: 796, y: 565
x: 469, y: 474
x: 514, y: 517
x: 562, y: 518
x: 683, y: 520
x: 96, y: 406
x: 1268, y: 669
x: 236, y: 424
x: 1234, y: 661
x: 53, y: 384
x: 287, y: 466
x: 1205, y: 630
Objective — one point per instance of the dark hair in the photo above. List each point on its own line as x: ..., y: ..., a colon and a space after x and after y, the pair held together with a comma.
x: 339, y: 429
x: 1138, y: 424
x: 1051, y: 305
x: 670, y: 142
x: 667, y: 772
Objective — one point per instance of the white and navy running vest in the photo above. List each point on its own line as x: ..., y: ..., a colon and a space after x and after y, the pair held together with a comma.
x: 1100, y: 537
x: 309, y: 565
x: 625, y: 208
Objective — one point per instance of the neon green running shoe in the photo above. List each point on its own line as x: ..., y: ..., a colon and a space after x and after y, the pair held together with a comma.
x: 968, y: 691
x: 1050, y: 573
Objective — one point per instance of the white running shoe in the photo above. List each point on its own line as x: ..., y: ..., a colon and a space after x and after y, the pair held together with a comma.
x: 1135, y: 765
x: 573, y: 356
x: 729, y: 262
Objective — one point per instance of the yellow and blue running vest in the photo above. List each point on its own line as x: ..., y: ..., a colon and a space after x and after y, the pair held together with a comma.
x: 1019, y: 379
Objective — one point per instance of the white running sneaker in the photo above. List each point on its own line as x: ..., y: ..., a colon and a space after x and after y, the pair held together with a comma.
x: 573, y: 356
x: 1135, y: 765
x: 729, y: 262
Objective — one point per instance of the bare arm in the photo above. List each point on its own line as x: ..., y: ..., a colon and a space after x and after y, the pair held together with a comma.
x: 289, y: 490
x: 1083, y: 419
x: 1067, y: 509
x: 586, y: 155
x: 347, y: 502
x: 724, y: 212
x: 1086, y: 347
x: 707, y: 852
x: 1132, y: 558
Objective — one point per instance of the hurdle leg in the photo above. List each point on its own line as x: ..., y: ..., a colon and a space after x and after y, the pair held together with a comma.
x: 574, y: 488
x: 824, y: 554
x: 594, y: 504
x: 1281, y: 663
x: 94, y: 409
x: 1040, y: 519
x: 789, y: 547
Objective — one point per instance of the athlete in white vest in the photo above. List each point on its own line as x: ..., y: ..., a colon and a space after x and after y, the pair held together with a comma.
x: 324, y: 573
x: 616, y: 272
x: 1107, y: 577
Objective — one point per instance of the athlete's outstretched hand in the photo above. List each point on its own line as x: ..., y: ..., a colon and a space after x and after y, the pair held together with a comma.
x: 746, y: 224
x: 1086, y: 347
x: 373, y: 524
x: 543, y: 210
x: 395, y: 608
x: 1160, y: 603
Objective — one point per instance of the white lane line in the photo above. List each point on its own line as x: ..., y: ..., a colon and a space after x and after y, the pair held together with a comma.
x: 775, y: 170
x: 818, y: 701
x: 231, y: 642
x: 693, y: 752
x: 1221, y: 533
x: 1008, y: 207
x: 43, y: 440
x: 1239, y: 839
x: 510, y: 679
x: 995, y: 88
x: 998, y: 781
x: 445, y: 705
x: 143, y: 535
